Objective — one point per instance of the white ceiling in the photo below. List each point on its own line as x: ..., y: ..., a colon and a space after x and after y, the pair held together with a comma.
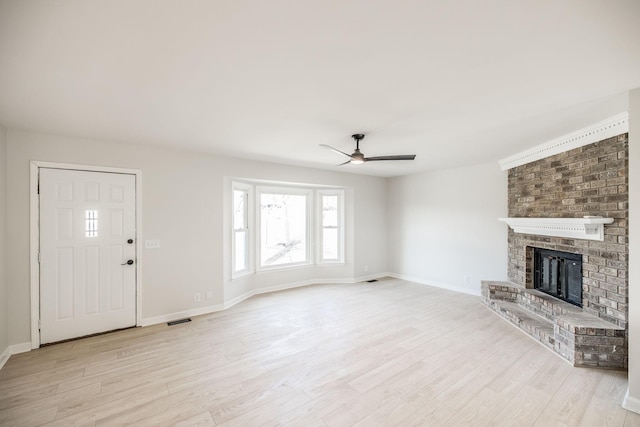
x: 454, y: 81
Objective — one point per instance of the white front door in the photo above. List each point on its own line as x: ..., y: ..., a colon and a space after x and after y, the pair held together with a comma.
x: 87, y: 253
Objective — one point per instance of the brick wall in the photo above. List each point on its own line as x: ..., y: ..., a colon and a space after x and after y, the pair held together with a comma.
x: 590, y: 180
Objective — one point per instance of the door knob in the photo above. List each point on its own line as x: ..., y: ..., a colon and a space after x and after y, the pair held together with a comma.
x: 129, y: 262
x: 130, y: 241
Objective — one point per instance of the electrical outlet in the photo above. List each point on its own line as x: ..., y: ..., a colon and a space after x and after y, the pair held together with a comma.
x: 467, y: 280
x: 197, y: 297
x: 152, y: 244
x: 366, y: 268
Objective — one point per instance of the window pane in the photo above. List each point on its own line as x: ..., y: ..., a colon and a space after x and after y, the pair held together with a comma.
x: 91, y: 223
x: 283, y: 229
x: 329, y: 211
x: 330, y: 243
x: 241, y: 250
x: 239, y: 209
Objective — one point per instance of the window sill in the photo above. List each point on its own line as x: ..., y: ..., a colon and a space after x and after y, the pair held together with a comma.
x: 331, y: 263
x: 284, y: 267
x: 237, y: 276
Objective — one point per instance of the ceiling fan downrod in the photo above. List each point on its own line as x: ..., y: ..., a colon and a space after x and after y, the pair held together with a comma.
x: 358, y: 137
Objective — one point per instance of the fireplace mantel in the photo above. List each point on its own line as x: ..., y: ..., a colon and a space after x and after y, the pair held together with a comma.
x: 588, y: 227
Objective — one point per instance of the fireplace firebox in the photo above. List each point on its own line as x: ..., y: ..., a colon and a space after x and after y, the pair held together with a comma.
x: 558, y: 274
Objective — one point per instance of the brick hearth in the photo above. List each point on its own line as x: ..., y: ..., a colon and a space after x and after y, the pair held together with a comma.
x: 584, y: 340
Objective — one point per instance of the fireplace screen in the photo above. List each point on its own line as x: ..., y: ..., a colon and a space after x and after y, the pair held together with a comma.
x: 558, y: 274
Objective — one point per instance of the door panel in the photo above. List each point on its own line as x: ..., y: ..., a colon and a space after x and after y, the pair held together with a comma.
x: 86, y: 219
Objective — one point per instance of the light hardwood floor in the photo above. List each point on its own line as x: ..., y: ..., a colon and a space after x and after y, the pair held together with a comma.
x: 389, y: 353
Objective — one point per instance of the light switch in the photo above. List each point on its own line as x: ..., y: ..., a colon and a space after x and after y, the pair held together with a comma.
x: 152, y: 244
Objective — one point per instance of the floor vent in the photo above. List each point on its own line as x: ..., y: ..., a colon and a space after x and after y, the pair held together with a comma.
x: 372, y: 280
x: 177, y: 322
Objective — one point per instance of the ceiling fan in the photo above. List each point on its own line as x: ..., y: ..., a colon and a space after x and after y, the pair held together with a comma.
x: 358, y: 158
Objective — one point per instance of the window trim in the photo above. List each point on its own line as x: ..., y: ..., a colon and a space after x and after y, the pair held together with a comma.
x: 249, y: 227
x: 320, y: 193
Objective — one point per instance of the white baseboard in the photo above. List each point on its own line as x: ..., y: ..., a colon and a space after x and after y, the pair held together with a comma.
x: 631, y: 403
x: 181, y: 314
x: 475, y: 292
x: 369, y: 277
x: 20, y: 348
x: 249, y: 294
x: 227, y: 304
x: 13, y: 349
x: 284, y: 287
x: 219, y: 307
x: 4, y: 357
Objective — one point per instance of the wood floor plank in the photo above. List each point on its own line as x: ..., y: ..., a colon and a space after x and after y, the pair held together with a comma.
x: 480, y: 409
x: 523, y: 409
x: 175, y: 407
x: 200, y: 420
x: 392, y: 412
x: 306, y: 414
x: 386, y: 353
x: 602, y: 409
x: 267, y: 413
x: 45, y: 409
x: 248, y: 402
x: 567, y: 404
x: 631, y: 419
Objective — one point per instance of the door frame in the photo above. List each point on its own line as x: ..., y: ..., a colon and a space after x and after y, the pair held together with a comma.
x: 34, y: 240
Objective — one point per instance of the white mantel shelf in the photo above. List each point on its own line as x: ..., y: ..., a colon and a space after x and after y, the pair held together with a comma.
x: 588, y: 227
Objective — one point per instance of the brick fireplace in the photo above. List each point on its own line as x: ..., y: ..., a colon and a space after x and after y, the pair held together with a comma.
x: 587, y: 181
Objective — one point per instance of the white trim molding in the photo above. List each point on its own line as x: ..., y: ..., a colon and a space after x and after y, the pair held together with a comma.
x: 588, y: 227
x: 608, y: 128
x: 5, y: 355
x: 148, y: 321
x: 13, y: 349
x: 230, y: 303
x: 631, y: 403
x: 436, y: 284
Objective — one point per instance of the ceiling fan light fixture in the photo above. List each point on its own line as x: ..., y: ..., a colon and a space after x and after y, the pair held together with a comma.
x: 357, y: 158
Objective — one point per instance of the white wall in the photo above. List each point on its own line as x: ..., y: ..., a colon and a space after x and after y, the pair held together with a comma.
x: 632, y: 400
x: 443, y: 228
x: 4, y: 328
x: 183, y: 205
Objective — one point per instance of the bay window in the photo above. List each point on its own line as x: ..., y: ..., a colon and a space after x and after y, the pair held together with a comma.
x: 285, y: 226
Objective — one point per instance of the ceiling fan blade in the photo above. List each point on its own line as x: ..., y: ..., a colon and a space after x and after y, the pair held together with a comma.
x: 400, y: 157
x: 328, y: 147
x: 345, y: 163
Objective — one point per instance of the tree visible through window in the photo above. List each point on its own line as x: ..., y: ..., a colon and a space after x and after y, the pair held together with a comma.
x: 283, y: 229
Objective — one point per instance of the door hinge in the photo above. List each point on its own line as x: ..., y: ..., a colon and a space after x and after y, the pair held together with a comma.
x: 38, y: 257
x: 39, y: 324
